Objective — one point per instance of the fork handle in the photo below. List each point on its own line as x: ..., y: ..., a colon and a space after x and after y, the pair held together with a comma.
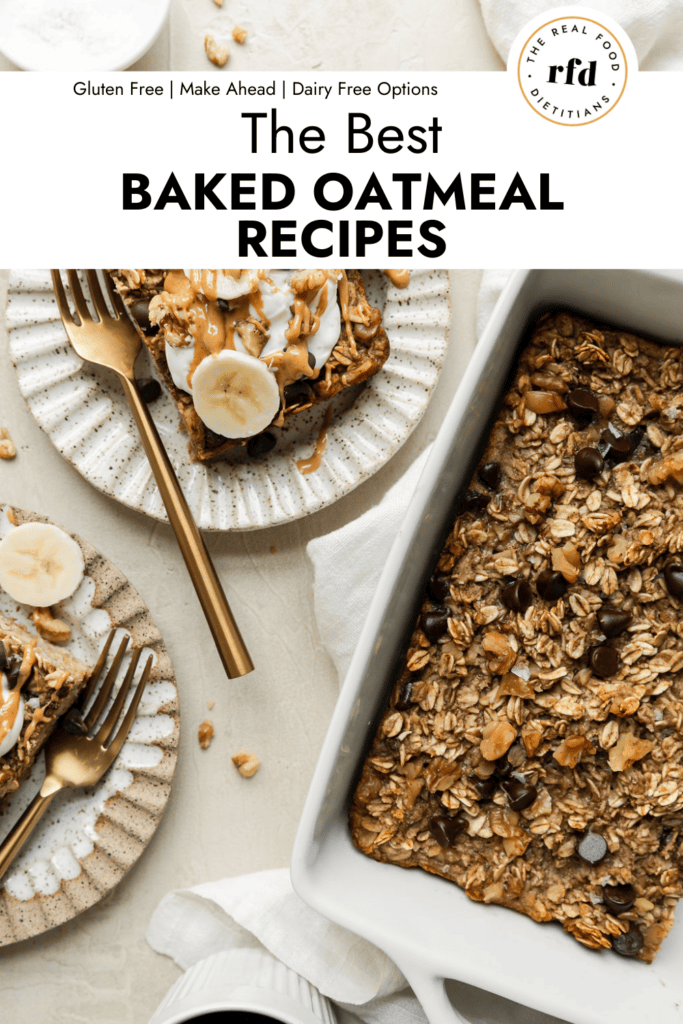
x: 224, y: 629
x: 23, y: 828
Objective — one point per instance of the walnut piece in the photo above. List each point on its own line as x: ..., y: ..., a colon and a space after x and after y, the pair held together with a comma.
x: 7, y: 449
x: 569, y: 751
x: 567, y: 560
x: 670, y: 466
x: 216, y: 52
x: 627, y: 750
x: 205, y: 734
x: 499, y: 652
x: 54, y: 630
x: 497, y: 738
x: 246, y: 764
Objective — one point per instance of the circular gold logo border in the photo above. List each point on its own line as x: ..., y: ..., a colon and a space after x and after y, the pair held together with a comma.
x: 568, y: 17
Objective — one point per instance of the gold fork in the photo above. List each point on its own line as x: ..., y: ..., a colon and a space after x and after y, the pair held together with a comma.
x: 72, y: 757
x: 113, y: 342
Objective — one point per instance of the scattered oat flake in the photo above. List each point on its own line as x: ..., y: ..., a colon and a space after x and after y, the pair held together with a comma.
x: 217, y: 53
x: 246, y: 764
x: 7, y: 449
x: 210, y: 704
x: 239, y: 34
x: 205, y: 734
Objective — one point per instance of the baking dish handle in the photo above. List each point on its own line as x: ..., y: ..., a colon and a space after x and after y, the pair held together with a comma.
x: 431, y: 993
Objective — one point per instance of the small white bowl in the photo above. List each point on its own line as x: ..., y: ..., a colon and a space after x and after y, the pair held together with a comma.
x: 47, y: 35
x: 244, y: 981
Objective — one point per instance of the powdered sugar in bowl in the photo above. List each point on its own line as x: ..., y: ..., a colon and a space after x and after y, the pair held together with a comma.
x: 88, y: 35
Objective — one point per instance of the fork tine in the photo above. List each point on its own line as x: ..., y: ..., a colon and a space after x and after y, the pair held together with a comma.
x: 92, y: 682
x: 96, y: 295
x: 78, y: 296
x: 105, y: 730
x: 106, y: 688
x: 120, y: 738
x: 116, y: 300
x: 60, y: 295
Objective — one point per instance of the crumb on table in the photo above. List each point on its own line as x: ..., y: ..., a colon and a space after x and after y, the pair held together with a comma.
x: 216, y: 52
x: 272, y: 550
x: 210, y: 705
x: 205, y: 734
x: 246, y: 764
x: 7, y: 449
x: 218, y: 3
x: 239, y: 34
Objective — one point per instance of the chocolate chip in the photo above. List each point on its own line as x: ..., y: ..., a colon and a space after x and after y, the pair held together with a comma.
x: 551, y: 586
x: 149, y: 390
x: 628, y: 943
x: 517, y: 596
x: 603, y: 660
x: 261, y: 444
x: 490, y: 474
x: 311, y: 360
x: 592, y: 848
x: 582, y: 404
x: 140, y: 312
x: 615, y: 447
x: 520, y: 795
x: 438, y: 587
x: 484, y: 788
x: 673, y: 577
x: 588, y: 463
x: 474, y: 501
x: 434, y: 624
x: 446, y: 830
x: 298, y: 393
x: 613, y: 621
x: 635, y: 437
x: 619, y: 898
x: 403, y: 701
x: 4, y: 660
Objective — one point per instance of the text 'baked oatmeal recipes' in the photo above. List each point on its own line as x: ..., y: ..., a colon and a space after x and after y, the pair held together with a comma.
x: 243, y: 350
x: 532, y: 748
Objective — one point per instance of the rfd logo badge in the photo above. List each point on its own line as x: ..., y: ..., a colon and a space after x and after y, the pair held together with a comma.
x: 572, y: 70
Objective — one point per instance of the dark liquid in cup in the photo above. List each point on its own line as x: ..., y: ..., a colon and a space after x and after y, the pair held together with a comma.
x: 232, y: 1017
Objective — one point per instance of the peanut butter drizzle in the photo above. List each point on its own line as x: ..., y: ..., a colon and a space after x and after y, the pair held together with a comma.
x: 212, y: 327
x: 10, y: 708
x: 8, y: 712
x: 38, y: 717
x: 309, y: 465
x: 399, y: 278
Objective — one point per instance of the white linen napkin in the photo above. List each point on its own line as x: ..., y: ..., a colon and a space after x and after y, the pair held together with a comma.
x: 655, y: 27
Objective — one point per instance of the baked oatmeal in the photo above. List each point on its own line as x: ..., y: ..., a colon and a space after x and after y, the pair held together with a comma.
x: 531, y: 751
x: 242, y: 351
x: 39, y: 684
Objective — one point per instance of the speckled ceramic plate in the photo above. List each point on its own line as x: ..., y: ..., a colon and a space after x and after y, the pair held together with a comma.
x: 89, y: 838
x: 83, y: 411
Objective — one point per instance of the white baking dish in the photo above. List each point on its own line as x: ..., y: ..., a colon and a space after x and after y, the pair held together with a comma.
x: 427, y: 925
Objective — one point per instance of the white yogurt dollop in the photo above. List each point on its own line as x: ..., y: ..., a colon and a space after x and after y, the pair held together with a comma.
x: 12, y: 735
x: 277, y: 298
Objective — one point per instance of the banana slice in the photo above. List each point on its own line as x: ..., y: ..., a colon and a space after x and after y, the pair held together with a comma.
x: 40, y: 564
x: 235, y: 394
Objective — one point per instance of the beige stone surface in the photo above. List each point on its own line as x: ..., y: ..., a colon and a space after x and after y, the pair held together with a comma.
x: 99, y: 967
x: 305, y: 35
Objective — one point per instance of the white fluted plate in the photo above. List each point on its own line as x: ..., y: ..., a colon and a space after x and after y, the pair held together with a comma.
x: 83, y: 411
x: 90, y: 838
